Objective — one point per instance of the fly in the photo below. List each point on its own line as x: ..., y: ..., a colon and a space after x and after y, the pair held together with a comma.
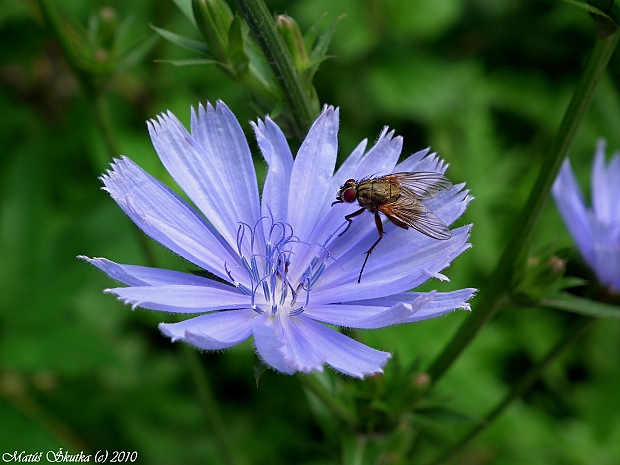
x: 399, y: 197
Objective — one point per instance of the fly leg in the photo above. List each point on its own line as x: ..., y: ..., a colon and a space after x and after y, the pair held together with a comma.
x: 380, y: 231
x: 348, y: 218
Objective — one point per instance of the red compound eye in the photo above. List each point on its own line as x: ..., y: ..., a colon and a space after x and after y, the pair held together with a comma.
x: 349, y: 195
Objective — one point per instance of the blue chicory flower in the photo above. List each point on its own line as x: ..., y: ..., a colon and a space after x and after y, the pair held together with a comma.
x: 596, y: 231
x: 283, y: 270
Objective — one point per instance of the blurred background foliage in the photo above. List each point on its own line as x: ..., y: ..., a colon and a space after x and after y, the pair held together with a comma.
x: 485, y: 83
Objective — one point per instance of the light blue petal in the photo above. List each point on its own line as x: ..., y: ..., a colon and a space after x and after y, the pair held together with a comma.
x: 281, y: 346
x: 422, y: 161
x: 406, y: 260
x: 277, y: 154
x: 214, y: 331
x: 606, y: 253
x: 309, y: 195
x: 213, y: 166
x: 613, y: 180
x: 298, y: 352
x: 413, y: 258
x: 349, y: 165
x: 165, y: 217
x: 451, y: 204
x: 269, y: 341
x: 606, y: 186
x: 325, y: 232
x: 182, y: 299
x: 344, y: 172
x: 602, y: 201
x: 381, y: 158
x: 366, y: 316
x: 341, y: 352
x: 570, y: 203
x: 134, y: 275
x: 435, y: 303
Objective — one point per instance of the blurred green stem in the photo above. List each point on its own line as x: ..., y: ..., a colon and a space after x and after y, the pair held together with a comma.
x: 213, y: 414
x: 104, y: 123
x: 14, y: 390
x: 310, y: 382
x: 354, y: 450
x: 524, y: 384
x: 279, y: 58
x: 495, y: 293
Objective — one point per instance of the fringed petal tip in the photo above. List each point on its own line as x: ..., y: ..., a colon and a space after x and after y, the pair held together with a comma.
x: 134, y: 303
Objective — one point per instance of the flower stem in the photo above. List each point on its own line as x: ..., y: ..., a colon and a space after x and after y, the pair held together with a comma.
x: 495, y: 294
x: 104, y: 123
x: 524, y: 384
x: 310, y: 382
x: 279, y: 58
x: 213, y: 414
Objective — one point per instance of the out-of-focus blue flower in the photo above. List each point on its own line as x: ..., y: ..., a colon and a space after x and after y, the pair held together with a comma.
x: 286, y: 270
x: 596, y: 231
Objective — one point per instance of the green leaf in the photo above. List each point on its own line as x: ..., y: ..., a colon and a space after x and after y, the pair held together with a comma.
x: 584, y: 6
x: 183, y: 42
x: 313, y: 32
x: 138, y: 52
x: 186, y: 7
x: 237, y: 55
x: 213, y: 18
x: 191, y: 61
x: 319, y: 52
x: 607, y: 17
x: 574, y: 304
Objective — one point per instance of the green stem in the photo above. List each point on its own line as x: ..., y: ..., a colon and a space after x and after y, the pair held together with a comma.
x: 493, y: 296
x: 279, y: 58
x: 310, y: 382
x: 354, y: 449
x: 524, y: 384
x: 104, y: 123
x: 213, y: 414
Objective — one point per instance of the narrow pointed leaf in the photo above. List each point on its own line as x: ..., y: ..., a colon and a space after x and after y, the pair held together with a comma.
x: 574, y: 304
x: 186, y: 8
x: 183, y: 42
x: 191, y: 61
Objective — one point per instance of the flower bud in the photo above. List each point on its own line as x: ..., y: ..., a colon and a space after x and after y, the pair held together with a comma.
x: 213, y: 18
x: 539, y: 278
x: 294, y: 40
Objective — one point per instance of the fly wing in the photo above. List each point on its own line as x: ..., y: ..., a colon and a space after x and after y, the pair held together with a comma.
x: 423, y: 184
x: 410, y: 211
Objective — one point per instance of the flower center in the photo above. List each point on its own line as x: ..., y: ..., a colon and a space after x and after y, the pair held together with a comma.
x: 274, y: 279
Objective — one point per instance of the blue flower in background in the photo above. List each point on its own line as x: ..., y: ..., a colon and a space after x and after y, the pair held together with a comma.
x: 596, y: 231
x: 283, y: 269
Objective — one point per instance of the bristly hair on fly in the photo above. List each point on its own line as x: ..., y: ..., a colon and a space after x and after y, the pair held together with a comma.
x: 399, y: 197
